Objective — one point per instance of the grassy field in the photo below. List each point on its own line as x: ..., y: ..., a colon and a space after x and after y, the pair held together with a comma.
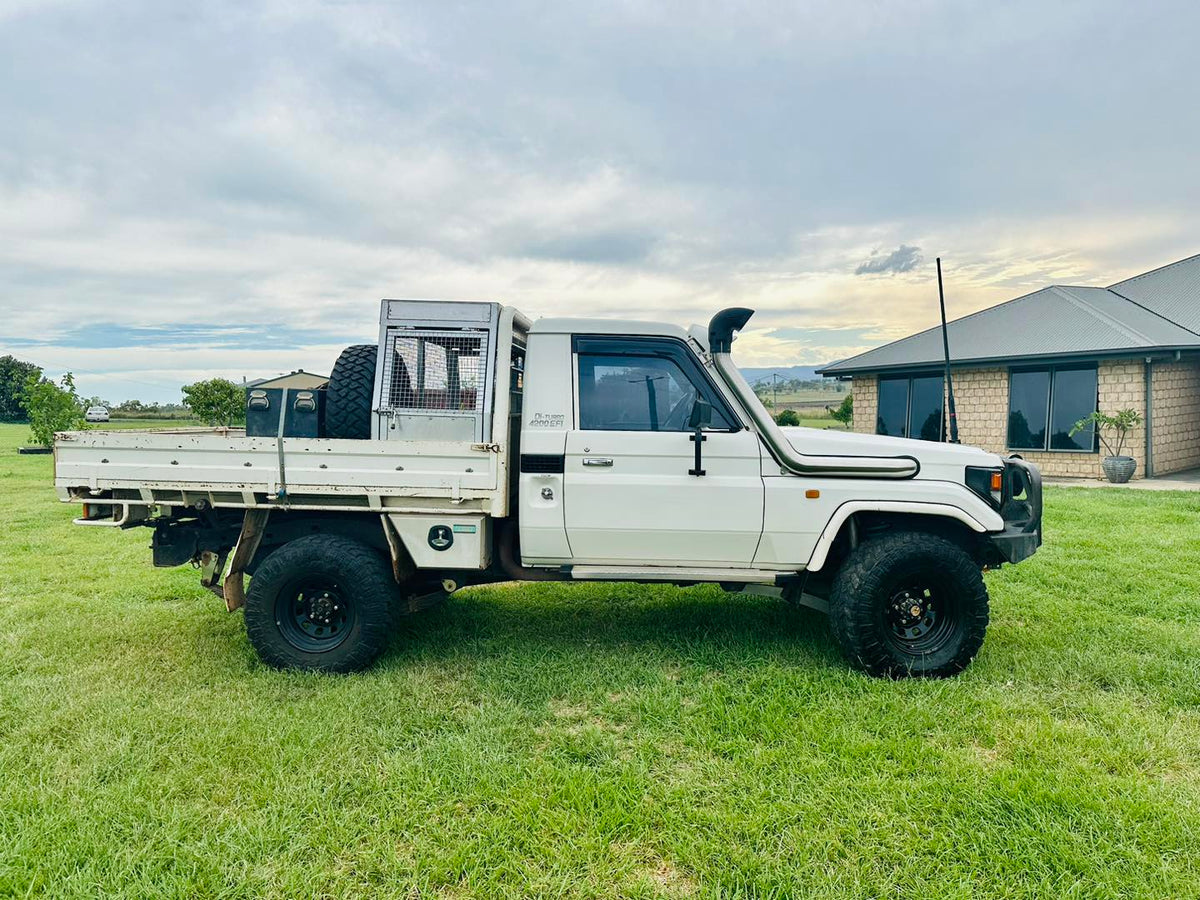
x: 809, y: 397
x: 600, y: 741
x: 149, y: 423
x: 814, y: 421
x: 810, y: 404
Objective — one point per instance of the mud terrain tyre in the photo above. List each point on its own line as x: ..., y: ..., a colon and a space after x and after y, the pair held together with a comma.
x: 348, y: 397
x: 321, y: 602
x: 909, y: 604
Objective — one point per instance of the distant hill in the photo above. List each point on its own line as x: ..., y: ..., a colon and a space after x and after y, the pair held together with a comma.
x: 800, y: 373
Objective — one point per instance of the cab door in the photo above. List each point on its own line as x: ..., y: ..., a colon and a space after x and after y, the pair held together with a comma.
x: 632, y: 492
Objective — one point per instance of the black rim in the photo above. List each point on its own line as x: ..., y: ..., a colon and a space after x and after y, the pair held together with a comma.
x: 314, y: 614
x: 919, y: 616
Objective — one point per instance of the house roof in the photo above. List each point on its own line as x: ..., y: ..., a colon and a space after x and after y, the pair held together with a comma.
x: 1058, y: 321
x: 299, y: 378
x: 1172, y: 291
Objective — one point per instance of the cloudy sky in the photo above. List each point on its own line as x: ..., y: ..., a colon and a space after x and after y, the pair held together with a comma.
x: 189, y: 189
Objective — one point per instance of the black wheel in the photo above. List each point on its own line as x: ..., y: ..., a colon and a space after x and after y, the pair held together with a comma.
x: 321, y: 602
x: 348, y: 398
x: 909, y: 603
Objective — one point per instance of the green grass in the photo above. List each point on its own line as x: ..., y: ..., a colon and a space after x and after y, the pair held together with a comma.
x: 820, y: 422
x: 150, y: 424
x: 18, y: 435
x: 580, y: 741
x: 805, y: 397
x: 810, y: 419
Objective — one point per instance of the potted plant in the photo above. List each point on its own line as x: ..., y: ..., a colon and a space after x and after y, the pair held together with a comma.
x: 1112, y: 431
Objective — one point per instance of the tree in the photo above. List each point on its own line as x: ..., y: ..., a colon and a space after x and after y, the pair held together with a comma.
x: 217, y: 401
x: 844, y: 413
x: 13, y: 375
x: 52, y: 407
x: 787, y: 417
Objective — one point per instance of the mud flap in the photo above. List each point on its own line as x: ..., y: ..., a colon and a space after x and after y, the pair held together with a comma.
x: 233, y: 588
x: 212, y: 564
x: 402, y: 563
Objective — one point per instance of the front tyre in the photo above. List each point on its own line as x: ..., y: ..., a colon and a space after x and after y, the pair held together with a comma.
x: 323, y: 603
x: 909, y: 604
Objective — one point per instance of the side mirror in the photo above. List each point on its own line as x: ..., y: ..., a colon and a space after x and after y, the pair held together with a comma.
x: 701, y: 414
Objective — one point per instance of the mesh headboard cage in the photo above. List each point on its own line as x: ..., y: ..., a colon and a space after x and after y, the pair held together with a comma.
x: 440, y: 374
x: 435, y: 371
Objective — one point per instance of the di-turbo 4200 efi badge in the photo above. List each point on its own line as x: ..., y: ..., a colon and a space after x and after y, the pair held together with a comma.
x: 441, y: 537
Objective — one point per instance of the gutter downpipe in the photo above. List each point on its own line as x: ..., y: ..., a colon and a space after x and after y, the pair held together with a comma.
x: 1149, y: 370
x: 720, y: 342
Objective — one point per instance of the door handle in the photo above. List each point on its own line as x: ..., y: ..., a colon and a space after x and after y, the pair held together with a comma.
x: 605, y: 461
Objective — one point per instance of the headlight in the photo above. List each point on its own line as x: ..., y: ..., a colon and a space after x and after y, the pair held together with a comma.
x: 987, y: 483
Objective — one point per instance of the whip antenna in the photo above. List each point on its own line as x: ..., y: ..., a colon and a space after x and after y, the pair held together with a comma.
x: 946, y: 350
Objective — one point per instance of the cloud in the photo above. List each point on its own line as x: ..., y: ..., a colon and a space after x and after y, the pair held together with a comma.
x: 180, y: 176
x: 186, y: 336
x: 903, y: 259
x: 821, y: 335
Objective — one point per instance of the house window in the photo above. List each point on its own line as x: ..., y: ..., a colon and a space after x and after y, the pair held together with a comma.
x: 911, y: 407
x: 1044, y: 404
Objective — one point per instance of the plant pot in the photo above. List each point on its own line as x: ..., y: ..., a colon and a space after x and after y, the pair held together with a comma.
x: 1119, y: 469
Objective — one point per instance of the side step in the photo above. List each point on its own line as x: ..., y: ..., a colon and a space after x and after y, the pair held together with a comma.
x: 666, y: 573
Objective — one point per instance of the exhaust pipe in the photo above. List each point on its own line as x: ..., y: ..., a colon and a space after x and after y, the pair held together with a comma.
x: 720, y: 343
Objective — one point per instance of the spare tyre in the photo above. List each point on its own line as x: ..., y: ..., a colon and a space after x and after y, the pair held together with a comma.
x: 348, y: 398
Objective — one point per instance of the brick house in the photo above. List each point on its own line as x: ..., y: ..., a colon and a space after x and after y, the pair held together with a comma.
x: 1024, y: 371
x: 297, y: 379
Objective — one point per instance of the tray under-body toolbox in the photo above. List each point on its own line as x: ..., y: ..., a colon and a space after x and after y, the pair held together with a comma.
x: 303, y: 411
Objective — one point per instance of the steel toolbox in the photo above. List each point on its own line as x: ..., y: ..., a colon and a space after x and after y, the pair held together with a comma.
x: 305, y: 412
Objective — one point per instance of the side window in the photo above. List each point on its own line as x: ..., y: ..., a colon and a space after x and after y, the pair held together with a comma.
x: 626, y: 392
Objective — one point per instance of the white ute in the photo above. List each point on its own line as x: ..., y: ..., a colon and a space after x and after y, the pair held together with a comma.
x: 471, y: 445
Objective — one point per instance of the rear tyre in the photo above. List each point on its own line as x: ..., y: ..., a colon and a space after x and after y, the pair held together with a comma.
x: 348, y: 397
x: 321, y: 602
x: 909, y: 604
